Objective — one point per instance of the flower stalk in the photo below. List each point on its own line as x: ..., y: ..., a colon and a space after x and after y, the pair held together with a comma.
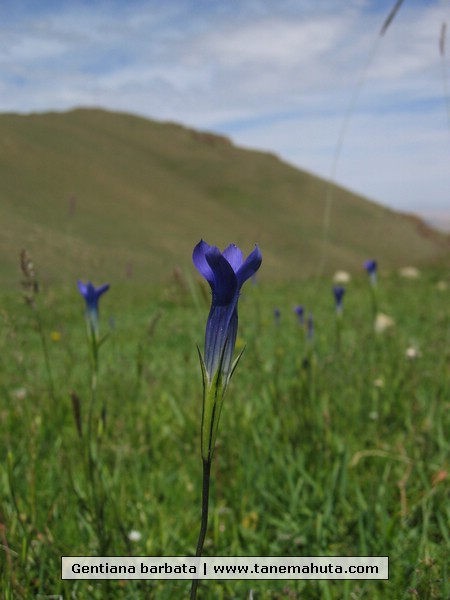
x: 93, y: 463
x: 30, y: 287
x: 225, y: 272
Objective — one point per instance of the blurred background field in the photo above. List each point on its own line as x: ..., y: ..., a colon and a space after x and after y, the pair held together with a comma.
x: 95, y: 192
x: 322, y: 450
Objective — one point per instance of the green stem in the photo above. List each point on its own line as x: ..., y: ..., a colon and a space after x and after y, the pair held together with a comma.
x: 373, y: 294
x: 94, y: 378
x: 46, y: 357
x: 94, y: 466
x: 92, y: 403
x: 338, y: 331
x: 204, y: 519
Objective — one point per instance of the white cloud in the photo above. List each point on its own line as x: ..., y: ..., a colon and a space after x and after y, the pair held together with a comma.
x: 273, y: 42
x: 279, y: 76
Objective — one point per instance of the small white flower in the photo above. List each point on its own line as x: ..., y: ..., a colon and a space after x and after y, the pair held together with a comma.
x: 341, y: 277
x: 409, y: 273
x: 442, y: 286
x: 383, y: 322
x: 135, y: 536
x: 412, y: 352
x: 379, y: 382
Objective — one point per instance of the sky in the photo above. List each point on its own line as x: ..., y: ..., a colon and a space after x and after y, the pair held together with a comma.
x: 312, y: 81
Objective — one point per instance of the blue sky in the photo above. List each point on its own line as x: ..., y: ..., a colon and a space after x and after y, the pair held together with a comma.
x: 278, y: 76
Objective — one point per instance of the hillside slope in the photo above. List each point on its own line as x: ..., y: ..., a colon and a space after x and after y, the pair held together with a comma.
x: 101, y: 195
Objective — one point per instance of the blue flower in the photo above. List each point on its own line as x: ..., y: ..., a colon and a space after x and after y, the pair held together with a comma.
x: 338, y: 292
x: 277, y: 315
x: 371, y: 268
x: 225, y: 272
x: 300, y: 312
x: 92, y: 296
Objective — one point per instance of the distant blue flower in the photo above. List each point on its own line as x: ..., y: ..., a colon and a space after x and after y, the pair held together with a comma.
x: 92, y: 296
x: 300, y: 312
x: 277, y: 315
x: 371, y: 268
x: 225, y: 272
x: 339, y: 292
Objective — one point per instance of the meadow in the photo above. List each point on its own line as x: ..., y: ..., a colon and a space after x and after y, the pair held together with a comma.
x: 326, y: 447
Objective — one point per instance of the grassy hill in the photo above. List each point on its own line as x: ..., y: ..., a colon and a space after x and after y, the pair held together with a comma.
x: 100, y: 195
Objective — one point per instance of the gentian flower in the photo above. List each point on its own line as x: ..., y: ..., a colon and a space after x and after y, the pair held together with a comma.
x: 92, y: 296
x: 225, y: 272
x: 339, y: 292
x: 300, y: 311
x: 277, y: 315
x: 371, y: 268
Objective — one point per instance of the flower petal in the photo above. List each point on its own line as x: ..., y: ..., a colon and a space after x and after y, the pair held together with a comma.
x: 82, y: 288
x: 234, y: 256
x: 230, y: 344
x: 199, y: 260
x: 224, y: 285
x: 250, y: 266
x: 370, y: 266
x: 339, y: 292
x: 220, y: 338
x: 101, y: 290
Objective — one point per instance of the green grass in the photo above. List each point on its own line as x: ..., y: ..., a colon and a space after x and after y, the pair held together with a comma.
x: 91, y: 192
x: 347, y: 456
